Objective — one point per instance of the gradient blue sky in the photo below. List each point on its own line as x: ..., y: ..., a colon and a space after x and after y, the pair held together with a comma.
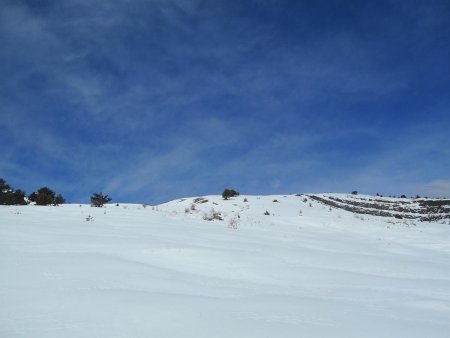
x: 153, y: 100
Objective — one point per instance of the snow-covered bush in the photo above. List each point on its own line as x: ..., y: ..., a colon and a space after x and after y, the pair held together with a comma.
x: 213, y: 215
x: 233, y: 223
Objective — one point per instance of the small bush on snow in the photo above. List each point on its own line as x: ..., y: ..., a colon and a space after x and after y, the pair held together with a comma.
x: 213, y: 215
x: 233, y: 223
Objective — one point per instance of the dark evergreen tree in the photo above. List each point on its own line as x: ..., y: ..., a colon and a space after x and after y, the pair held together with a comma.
x: 18, y: 197
x: 5, y: 192
x: 59, y: 199
x: 227, y: 193
x: 45, y: 196
x: 32, y: 197
x: 98, y: 200
x: 9, y: 196
x: 4, y: 187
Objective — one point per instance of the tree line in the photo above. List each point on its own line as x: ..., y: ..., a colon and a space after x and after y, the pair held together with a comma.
x: 43, y: 196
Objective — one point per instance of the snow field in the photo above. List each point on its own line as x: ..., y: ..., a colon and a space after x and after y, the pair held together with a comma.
x: 301, y: 271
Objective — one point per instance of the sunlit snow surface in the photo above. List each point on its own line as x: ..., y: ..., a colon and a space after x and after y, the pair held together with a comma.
x: 302, y: 271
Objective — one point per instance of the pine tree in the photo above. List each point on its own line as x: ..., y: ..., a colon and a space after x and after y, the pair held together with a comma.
x: 227, y: 193
x: 9, y: 196
x: 59, y: 200
x: 45, y: 196
x: 98, y: 200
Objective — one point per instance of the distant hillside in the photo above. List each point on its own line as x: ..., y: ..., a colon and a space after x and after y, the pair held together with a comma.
x: 420, y: 209
x: 251, y: 209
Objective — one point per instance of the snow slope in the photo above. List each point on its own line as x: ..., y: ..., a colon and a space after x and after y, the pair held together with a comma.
x: 301, y: 271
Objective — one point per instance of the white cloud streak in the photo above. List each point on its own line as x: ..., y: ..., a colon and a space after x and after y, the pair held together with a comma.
x: 438, y: 188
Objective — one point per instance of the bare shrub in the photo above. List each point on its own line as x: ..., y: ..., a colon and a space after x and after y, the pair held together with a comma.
x: 213, y: 215
x: 233, y: 223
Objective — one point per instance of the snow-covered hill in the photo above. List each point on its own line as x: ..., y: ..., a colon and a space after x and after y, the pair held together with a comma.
x: 418, y: 208
x: 251, y: 266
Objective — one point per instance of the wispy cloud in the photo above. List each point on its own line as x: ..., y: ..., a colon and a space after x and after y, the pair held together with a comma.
x: 419, y: 154
x: 438, y: 188
x: 155, y: 99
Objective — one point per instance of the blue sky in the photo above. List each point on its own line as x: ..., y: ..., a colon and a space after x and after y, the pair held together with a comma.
x: 152, y: 100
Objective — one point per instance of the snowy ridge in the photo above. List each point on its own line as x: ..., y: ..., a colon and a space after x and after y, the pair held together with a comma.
x: 303, y: 269
x: 287, y: 206
x: 420, y: 209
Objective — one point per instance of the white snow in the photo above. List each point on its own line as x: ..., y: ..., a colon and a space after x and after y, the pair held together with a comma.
x: 302, y: 271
